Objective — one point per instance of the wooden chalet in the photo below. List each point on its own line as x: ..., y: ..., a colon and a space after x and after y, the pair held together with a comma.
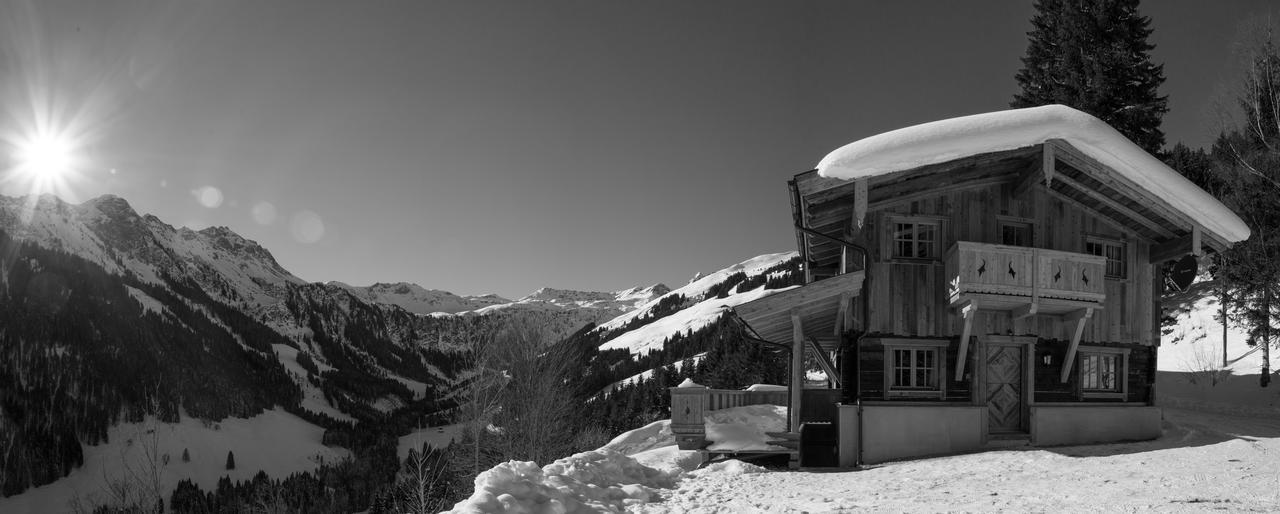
x: 992, y: 295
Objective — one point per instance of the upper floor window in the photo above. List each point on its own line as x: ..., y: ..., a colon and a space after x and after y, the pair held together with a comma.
x: 1015, y: 232
x: 1114, y: 251
x: 915, y: 239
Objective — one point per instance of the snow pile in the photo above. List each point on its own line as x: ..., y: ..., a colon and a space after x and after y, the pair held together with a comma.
x: 670, y: 459
x: 593, y: 481
x: 744, y: 428
x: 945, y: 140
x: 731, y: 467
x: 648, y: 437
x: 688, y: 382
x: 765, y: 387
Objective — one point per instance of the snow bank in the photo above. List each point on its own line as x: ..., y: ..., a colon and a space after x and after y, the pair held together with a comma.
x: 648, y: 437
x: 744, y: 428
x: 946, y: 140
x: 593, y: 481
x: 766, y: 387
x: 731, y: 467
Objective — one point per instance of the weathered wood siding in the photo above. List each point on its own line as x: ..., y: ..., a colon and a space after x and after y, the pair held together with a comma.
x: 909, y: 298
x: 872, y: 379
x: 1050, y: 388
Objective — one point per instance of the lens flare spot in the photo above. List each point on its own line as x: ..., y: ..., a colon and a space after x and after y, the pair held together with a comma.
x: 208, y: 196
x: 307, y: 227
x: 264, y: 213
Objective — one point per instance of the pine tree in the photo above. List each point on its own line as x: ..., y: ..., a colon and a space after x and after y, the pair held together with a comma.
x: 186, y: 456
x: 1250, y: 156
x: 231, y: 460
x: 1093, y: 55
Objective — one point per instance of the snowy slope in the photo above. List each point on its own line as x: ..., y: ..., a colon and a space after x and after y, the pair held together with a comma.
x: 276, y: 442
x: 700, y: 308
x: 419, y: 300
x: 650, y: 337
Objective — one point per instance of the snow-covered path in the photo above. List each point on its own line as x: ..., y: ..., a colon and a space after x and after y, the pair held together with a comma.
x: 1204, y: 462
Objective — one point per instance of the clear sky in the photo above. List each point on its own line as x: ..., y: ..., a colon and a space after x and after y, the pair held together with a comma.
x: 503, y: 146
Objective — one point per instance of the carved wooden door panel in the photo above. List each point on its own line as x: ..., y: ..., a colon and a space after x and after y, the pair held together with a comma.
x: 1004, y: 388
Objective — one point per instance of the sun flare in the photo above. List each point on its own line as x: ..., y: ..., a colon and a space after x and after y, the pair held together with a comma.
x: 44, y: 157
x: 43, y: 163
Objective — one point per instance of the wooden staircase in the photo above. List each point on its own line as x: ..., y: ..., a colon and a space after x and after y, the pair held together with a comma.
x: 790, y: 441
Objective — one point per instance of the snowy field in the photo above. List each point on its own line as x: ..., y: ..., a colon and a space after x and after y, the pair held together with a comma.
x: 1204, y: 462
x: 275, y: 441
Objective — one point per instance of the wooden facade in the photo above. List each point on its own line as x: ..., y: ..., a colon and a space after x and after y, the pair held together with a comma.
x: 979, y: 291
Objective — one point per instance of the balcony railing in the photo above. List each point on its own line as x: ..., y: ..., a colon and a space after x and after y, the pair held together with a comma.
x: 978, y: 268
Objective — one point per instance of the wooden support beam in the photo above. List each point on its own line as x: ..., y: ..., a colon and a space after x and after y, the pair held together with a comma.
x: 1196, y: 246
x: 797, y: 371
x: 842, y: 314
x: 1149, y: 223
x: 1079, y: 317
x: 1025, y: 311
x: 859, y: 204
x: 1029, y: 179
x: 968, y: 311
x: 1101, y: 217
x: 1171, y: 249
x: 1078, y: 160
x: 848, y: 309
x: 824, y: 361
x: 1048, y: 163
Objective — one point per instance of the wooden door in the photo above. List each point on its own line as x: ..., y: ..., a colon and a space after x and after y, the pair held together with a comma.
x: 1004, y: 388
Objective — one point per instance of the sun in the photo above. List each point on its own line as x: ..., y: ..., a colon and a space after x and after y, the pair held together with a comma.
x: 45, y: 158
x: 45, y: 162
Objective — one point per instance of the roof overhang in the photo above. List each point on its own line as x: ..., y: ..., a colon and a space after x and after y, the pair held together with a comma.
x: 1056, y: 166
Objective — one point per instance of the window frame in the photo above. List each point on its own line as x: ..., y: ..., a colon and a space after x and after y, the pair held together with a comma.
x: 938, y: 347
x: 1012, y: 221
x: 891, y: 240
x: 1121, y: 391
x: 1106, y: 243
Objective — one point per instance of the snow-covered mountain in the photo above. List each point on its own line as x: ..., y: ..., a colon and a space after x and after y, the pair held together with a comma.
x: 228, y: 332
x: 420, y: 300
x: 700, y: 302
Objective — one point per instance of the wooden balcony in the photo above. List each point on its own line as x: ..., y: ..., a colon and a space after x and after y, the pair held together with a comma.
x: 1033, y: 279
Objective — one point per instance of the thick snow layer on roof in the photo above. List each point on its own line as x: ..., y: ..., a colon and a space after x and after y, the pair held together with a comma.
x: 945, y: 140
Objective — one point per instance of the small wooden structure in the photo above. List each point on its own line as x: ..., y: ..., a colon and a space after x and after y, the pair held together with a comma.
x: 1011, y: 294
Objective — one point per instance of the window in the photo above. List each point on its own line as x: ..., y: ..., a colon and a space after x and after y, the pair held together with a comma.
x: 1114, y: 251
x: 915, y: 239
x: 1015, y: 233
x: 914, y: 368
x: 1103, y: 372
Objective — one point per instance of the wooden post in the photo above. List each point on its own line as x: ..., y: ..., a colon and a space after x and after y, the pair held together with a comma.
x: 1196, y: 247
x: 968, y: 311
x: 1049, y: 163
x: 797, y: 371
x: 1080, y: 317
x: 859, y: 204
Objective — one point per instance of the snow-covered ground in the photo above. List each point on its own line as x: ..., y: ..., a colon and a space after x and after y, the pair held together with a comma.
x: 275, y: 441
x: 1204, y: 461
x: 437, y: 437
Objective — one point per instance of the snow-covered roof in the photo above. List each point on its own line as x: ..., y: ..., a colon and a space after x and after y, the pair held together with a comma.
x: 946, y: 140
